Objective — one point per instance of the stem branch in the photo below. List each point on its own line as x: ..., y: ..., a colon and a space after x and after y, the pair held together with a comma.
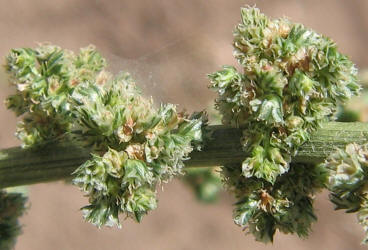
x: 56, y: 162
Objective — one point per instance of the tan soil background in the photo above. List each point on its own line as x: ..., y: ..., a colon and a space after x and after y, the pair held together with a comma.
x: 169, y: 46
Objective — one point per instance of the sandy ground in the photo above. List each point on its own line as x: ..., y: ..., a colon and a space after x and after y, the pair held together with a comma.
x: 169, y: 46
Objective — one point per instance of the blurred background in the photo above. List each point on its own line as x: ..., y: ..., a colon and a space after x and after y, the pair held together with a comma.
x: 169, y: 46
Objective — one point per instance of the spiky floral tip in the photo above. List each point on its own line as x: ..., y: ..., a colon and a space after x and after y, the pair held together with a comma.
x: 291, y: 80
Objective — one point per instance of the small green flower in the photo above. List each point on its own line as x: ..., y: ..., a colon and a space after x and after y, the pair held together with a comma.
x: 268, y: 110
x: 205, y: 182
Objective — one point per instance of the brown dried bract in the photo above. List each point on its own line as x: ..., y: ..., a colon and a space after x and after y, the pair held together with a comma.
x: 266, y: 200
x: 128, y: 127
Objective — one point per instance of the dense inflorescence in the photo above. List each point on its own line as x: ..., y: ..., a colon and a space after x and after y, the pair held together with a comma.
x: 348, y: 177
x: 142, y: 147
x: 45, y: 77
x: 136, y: 146
x: 291, y: 81
x: 12, y: 206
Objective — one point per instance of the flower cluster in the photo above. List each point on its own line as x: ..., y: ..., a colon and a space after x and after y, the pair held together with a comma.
x: 12, y: 206
x: 44, y: 78
x: 291, y: 80
x: 140, y: 146
x: 286, y: 205
x: 348, y: 177
x: 135, y: 145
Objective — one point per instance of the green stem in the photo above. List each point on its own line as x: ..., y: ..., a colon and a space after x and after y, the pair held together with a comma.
x: 56, y: 162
